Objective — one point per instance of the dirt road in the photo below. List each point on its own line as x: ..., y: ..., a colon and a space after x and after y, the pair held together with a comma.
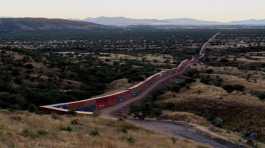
x: 182, y: 130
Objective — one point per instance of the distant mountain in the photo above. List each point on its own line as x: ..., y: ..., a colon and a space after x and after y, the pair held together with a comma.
x: 50, y: 29
x: 102, y: 27
x: 252, y: 22
x: 42, y: 24
x: 187, y: 21
x: 123, y: 21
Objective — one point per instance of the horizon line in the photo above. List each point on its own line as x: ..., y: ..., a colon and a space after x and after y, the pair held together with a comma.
x: 149, y: 18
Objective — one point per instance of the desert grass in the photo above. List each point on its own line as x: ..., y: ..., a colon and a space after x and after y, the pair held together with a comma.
x: 26, y: 130
x: 156, y: 59
x: 240, y: 112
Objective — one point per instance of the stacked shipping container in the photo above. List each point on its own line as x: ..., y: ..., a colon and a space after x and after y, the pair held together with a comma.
x: 105, y: 101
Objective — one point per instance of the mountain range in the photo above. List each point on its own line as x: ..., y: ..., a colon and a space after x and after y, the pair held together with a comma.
x: 50, y: 29
x: 103, y: 23
x: 42, y: 24
x: 103, y: 27
x: 123, y: 22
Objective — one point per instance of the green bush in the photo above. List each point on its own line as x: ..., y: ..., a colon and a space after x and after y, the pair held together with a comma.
x: 173, y: 139
x: 124, y: 130
x: 219, y: 122
x: 130, y: 140
x: 260, y: 95
x: 72, y: 112
x: 67, y: 128
x: 34, y: 134
x: 33, y: 108
x: 28, y: 133
x: 231, y: 88
x: 94, y: 132
x: 42, y: 132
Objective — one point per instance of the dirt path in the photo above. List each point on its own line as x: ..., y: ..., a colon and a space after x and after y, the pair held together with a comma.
x: 182, y: 130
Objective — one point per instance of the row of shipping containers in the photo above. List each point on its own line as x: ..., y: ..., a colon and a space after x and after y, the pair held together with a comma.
x: 99, y: 103
x: 102, y: 102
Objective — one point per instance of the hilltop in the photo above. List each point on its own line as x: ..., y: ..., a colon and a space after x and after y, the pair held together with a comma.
x: 48, y: 29
x: 41, y: 24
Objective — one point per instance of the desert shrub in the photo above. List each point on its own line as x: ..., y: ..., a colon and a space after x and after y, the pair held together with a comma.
x: 72, y: 112
x: 16, y: 118
x: 75, y: 122
x: 14, y: 101
x: 56, y: 116
x: 176, y: 87
x: 29, y: 133
x: 217, y: 81
x: 231, y: 88
x: 223, y: 60
x: 173, y: 139
x: 34, y: 134
x: 260, y: 95
x: 94, y: 132
x: 130, y: 140
x: 124, y: 130
x: 168, y: 106
x: 147, y: 108
x: 42, y: 132
x: 219, y: 122
x: 67, y: 128
x: 205, y: 79
x: 32, y: 108
x: 29, y: 66
x: 209, y: 71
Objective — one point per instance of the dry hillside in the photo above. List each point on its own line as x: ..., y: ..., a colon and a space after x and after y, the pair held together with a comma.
x: 23, y: 129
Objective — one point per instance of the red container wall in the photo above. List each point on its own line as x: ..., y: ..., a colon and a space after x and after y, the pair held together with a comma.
x: 126, y: 95
x: 102, y: 103
x: 76, y: 105
x: 112, y: 100
x: 107, y: 101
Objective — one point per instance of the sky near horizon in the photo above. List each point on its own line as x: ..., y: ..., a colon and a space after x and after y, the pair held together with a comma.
x: 214, y: 10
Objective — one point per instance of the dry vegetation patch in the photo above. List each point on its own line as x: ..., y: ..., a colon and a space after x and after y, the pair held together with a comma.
x: 235, y: 111
x: 118, y: 85
x: 257, y: 85
x: 155, y: 59
x: 22, y: 129
x: 185, y: 116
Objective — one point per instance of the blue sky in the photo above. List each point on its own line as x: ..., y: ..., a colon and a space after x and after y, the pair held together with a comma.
x: 220, y: 10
